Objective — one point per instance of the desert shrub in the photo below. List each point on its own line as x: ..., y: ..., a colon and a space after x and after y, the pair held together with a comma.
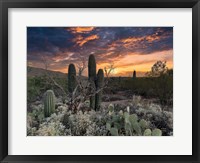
x: 158, y: 118
x: 35, y: 117
x: 37, y: 124
x: 36, y: 87
x: 52, y: 128
x: 85, y: 124
x: 138, y: 119
x: 163, y: 88
x: 151, y: 87
x: 158, y: 83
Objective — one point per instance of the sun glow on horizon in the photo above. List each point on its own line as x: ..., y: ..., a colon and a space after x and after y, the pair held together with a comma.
x: 127, y: 64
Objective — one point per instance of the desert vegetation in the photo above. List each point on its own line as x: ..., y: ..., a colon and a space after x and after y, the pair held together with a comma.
x: 99, y: 105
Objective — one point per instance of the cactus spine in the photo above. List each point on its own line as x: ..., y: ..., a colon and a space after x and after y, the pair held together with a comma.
x: 71, y: 78
x: 134, y: 74
x: 49, y: 103
x: 99, y: 85
x: 92, y: 78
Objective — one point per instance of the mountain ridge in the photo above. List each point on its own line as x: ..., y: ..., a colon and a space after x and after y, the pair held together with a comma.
x: 33, y: 71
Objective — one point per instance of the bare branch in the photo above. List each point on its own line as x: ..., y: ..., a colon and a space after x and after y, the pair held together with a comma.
x: 109, y: 69
x: 82, y: 65
x: 46, y: 65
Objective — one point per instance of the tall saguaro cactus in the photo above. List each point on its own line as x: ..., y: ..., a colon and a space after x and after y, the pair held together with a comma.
x: 49, y: 103
x: 134, y: 74
x: 92, y: 78
x: 71, y: 78
x: 99, y: 85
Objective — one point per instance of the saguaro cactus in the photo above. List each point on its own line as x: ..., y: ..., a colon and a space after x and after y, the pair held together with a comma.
x: 134, y: 74
x: 92, y: 78
x: 92, y: 67
x: 99, y: 85
x: 49, y: 103
x: 71, y: 78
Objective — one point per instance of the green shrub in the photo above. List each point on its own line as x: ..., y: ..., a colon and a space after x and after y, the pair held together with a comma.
x: 38, y: 85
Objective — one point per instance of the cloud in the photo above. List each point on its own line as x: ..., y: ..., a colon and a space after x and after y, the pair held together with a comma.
x: 128, y: 45
x: 63, y: 57
x: 79, y: 40
x: 80, y: 29
x: 143, y: 44
x: 47, y: 40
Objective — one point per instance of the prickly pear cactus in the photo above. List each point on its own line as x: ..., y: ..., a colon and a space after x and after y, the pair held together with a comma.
x: 99, y: 85
x: 147, y: 132
x: 92, y: 78
x: 133, y: 118
x: 136, y: 127
x: 156, y: 132
x: 49, y: 103
x: 108, y: 126
x: 71, y: 78
x: 143, y: 124
x: 128, y: 128
x: 126, y: 117
x: 114, y: 131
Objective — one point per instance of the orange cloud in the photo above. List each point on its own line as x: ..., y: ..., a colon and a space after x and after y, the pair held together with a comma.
x: 77, y: 39
x: 80, y: 29
x: 133, y: 41
x: 149, y: 38
x: 81, y: 41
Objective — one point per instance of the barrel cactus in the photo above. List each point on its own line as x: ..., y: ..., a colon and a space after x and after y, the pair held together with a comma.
x: 71, y: 78
x: 49, y: 103
x: 99, y: 85
x: 92, y: 79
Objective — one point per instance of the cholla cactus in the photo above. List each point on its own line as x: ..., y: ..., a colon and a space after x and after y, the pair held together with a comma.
x: 99, y: 85
x: 49, y: 103
x: 92, y: 78
x: 71, y: 78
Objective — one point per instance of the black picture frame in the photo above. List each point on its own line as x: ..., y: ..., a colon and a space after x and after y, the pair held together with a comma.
x: 4, y: 95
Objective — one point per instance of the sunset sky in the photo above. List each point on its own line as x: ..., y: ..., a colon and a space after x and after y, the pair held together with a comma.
x: 128, y: 48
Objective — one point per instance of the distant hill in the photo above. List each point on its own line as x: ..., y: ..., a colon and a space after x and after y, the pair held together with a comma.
x: 33, y: 71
